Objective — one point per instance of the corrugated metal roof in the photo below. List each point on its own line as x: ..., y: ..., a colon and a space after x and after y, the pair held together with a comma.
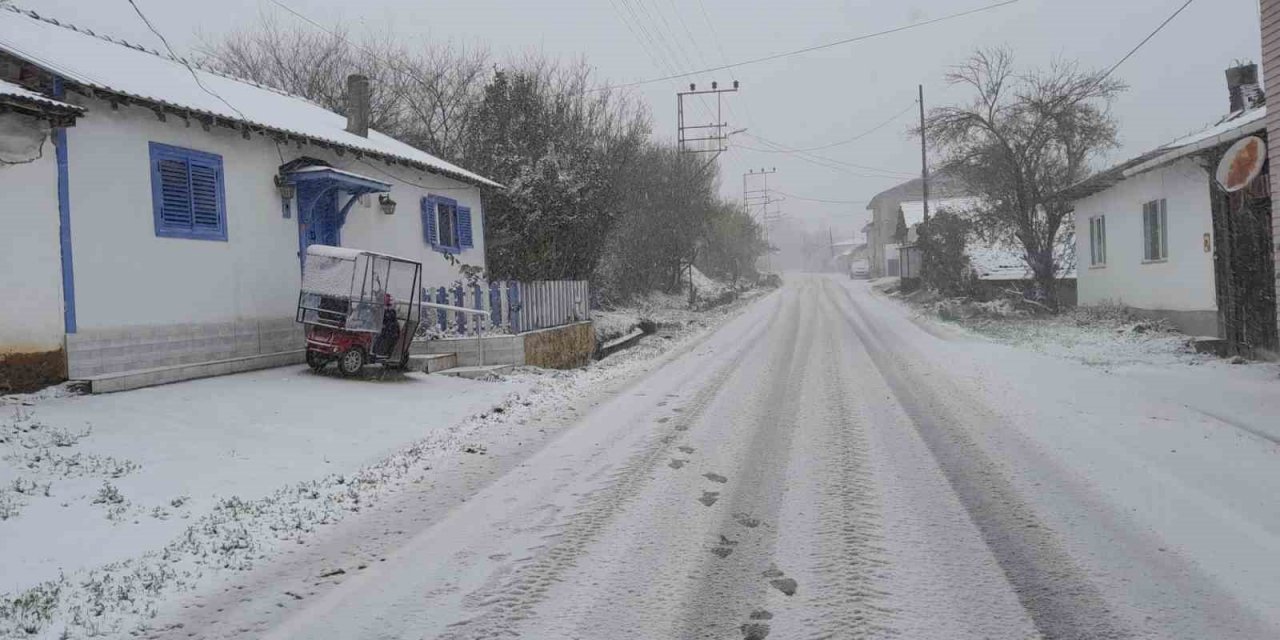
x: 10, y: 90
x: 97, y: 62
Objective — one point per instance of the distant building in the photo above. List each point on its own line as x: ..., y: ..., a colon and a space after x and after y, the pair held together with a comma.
x: 1158, y: 234
x: 881, y: 232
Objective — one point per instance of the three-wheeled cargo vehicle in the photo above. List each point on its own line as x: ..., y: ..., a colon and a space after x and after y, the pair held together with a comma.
x: 358, y: 307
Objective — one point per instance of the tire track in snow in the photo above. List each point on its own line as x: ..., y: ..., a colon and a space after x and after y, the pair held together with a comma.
x: 847, y: 554
x: 1060, y: 599
x: 513, y: 595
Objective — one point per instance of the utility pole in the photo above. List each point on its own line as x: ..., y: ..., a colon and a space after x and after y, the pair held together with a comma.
x: 763, y: 198
x: 831, y: 241
x: 924, y: 160
x: 708, y: 138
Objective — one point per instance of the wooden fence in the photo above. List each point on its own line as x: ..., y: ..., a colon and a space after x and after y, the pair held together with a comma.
x: 514, y: 307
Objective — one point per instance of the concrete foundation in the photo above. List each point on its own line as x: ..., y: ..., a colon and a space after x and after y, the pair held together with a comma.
x: 561, y: 347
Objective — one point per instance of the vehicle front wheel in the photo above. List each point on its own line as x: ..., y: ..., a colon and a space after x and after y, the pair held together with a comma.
x: 351, y: 362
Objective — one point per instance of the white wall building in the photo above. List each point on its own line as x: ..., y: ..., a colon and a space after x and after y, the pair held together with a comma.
x: 1144, y: 230
x: 177, y: 245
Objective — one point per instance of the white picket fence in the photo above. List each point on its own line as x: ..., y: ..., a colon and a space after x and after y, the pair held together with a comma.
x: 514, y: 307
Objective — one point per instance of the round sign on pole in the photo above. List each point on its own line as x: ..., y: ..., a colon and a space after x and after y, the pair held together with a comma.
x: 1242, y: 163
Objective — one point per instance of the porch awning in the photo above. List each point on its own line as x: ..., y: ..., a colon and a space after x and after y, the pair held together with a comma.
x: 342, y: 180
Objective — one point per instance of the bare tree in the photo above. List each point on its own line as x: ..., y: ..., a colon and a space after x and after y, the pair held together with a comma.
x: 423, y: 96
x: 1024, y: 138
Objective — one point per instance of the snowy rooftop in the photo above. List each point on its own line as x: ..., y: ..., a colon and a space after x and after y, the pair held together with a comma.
x: 913, y: 210
x: 994, y: 262
x: 10, y: 90
x: 1233, y: 127
x: 101, y: 63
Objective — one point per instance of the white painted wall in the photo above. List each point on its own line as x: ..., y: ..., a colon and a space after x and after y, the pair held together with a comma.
x: 30, y: 265
x: 1185, y: 281
x: 128, y: 277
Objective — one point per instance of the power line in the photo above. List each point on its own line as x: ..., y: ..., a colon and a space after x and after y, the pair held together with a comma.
x: 795, y: 197
x: 173, y: 54
x: 1145, y: 40
x: 801, y: 154
x: 785, y: 149
x: 827, y: 45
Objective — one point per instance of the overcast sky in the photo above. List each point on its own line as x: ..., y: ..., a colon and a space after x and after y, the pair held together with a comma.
x: 1176, y: 80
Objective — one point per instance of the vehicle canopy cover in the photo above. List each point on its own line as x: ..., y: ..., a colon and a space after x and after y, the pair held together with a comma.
x: 331, y: 271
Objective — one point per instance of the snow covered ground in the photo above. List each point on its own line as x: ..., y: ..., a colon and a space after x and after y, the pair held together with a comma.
x: 181, y: 488
x: 824, y: 466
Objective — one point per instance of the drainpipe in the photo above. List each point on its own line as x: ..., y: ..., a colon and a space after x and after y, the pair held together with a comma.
x: 64, y: 219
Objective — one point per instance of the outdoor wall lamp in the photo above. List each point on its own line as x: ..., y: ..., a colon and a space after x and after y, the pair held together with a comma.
x: 287, y: 191
x: 387, y: 204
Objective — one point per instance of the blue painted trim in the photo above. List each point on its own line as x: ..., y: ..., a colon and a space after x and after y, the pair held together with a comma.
x: 212, y: 161
x: 350, y: 183
x: 64, y: 220
x: 435, y: 224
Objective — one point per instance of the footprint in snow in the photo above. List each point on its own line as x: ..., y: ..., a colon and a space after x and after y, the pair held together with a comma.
x: 725, y: 547
x: 676, y: 463
x: 685, y: 449
x: 786, y: 585
x: 715, y: 477
x: 761, y: 614
x: 663, y: 420
x: 747, y: 521
x: 709, y: 497
x: 755, y: 631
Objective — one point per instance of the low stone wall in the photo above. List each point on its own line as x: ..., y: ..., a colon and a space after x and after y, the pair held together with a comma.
x: 25, y: 372
x: 561, y: 347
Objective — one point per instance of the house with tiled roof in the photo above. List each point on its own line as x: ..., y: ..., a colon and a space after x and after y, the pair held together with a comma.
x: 157, y: 213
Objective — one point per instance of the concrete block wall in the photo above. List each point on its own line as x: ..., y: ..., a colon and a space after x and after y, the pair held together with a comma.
x: 497, y: 349
x: 104, y: 351
x: 562, y: 347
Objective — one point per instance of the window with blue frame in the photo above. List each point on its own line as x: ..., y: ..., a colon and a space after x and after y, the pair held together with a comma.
x: 446, y: 225
x: 187, y: 194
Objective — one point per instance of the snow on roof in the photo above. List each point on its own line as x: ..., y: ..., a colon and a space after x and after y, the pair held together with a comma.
x: 995, y: 262
x: 101, y: 63
x: 341, y: 253
x: 913, y: 210
x: 347, y: 253
x: 1233, y: 127
x: 1236, y: 126
x: 8, y: 89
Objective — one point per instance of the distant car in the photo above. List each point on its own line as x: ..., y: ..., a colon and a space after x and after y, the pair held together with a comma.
x: 858, y: 270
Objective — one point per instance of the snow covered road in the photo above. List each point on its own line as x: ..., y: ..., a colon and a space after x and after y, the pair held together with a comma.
x: 823, y: 467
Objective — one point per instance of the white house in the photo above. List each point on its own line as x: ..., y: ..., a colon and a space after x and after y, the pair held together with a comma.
x: 166, y: 228
x: 1144, y: 229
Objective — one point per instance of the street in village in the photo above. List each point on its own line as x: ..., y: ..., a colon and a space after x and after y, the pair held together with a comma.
x: 822, y: 465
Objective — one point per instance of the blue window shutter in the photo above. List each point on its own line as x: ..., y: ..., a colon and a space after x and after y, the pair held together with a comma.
x: 464, y: 227
x: 206, y: 210
x: 429, y: 220
x: 187, y: 194
x: 174, y: 202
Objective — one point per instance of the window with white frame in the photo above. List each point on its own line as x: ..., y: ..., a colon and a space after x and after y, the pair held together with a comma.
x: 1155, y: 231
x: 1098, y: 241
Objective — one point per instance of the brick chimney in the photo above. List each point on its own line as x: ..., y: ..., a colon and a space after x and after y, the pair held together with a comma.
x: 358, y: 104
x: 1243, y: 88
